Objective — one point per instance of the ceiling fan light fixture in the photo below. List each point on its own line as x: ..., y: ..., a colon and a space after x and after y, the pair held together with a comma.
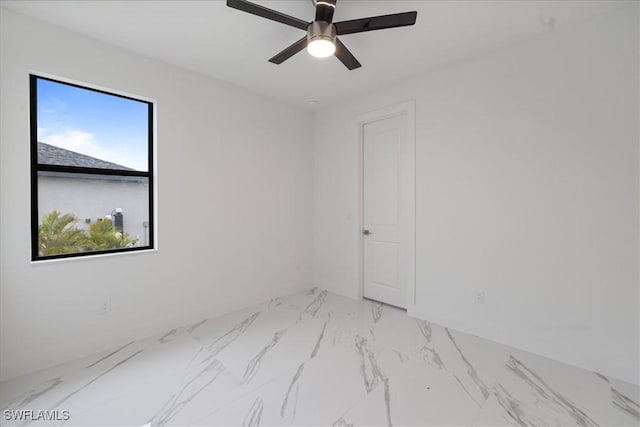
x: 321, y: 48
x: 321, y: 39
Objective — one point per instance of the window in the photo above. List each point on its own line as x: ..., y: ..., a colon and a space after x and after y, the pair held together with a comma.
x: 91, y: 171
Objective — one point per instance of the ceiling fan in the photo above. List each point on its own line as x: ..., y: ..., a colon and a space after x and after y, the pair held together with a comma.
x: 321, y: 40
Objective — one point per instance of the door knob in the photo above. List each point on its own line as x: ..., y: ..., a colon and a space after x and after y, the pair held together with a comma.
x: 366, y: 232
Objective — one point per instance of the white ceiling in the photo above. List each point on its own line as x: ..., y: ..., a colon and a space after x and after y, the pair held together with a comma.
x: 210, y: 38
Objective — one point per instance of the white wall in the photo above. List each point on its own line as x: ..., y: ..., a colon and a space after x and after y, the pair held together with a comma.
x: 90, y: 199
x: 232, y: 166
x: 526, y: 187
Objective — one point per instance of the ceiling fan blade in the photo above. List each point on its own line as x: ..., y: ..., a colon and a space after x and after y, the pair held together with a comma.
x: 290, y: 51
x: 324, y: 10
x: 267, y: 13
x: 346, y: 57
x: 376, y: 23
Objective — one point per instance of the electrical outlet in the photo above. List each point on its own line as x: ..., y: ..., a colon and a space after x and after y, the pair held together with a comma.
x: 478, y: 297
x: 105, y: 306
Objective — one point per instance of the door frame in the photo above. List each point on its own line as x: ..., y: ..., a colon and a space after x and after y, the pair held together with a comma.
x: 409, y: 108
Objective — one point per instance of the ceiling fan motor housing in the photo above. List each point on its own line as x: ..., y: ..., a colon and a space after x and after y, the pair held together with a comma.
x: 320, y: 30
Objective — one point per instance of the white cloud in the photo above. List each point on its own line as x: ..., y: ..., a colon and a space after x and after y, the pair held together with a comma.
x: 78, y: 141
x: 81, y: 142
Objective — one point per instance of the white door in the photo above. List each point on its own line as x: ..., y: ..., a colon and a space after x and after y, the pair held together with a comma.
x: 385, y: 216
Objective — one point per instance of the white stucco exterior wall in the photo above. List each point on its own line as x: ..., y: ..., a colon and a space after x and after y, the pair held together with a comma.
x: 92, y: 198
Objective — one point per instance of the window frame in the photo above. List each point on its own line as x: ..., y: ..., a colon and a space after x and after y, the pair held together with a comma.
x: 36, y: 167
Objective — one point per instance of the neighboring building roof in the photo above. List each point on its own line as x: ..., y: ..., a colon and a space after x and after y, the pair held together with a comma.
x: 51, y: 155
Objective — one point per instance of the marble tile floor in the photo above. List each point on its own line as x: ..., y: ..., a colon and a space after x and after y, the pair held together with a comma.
x: 316, y: 358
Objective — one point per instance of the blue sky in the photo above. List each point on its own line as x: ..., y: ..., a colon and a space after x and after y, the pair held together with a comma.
x: 96, y: 124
